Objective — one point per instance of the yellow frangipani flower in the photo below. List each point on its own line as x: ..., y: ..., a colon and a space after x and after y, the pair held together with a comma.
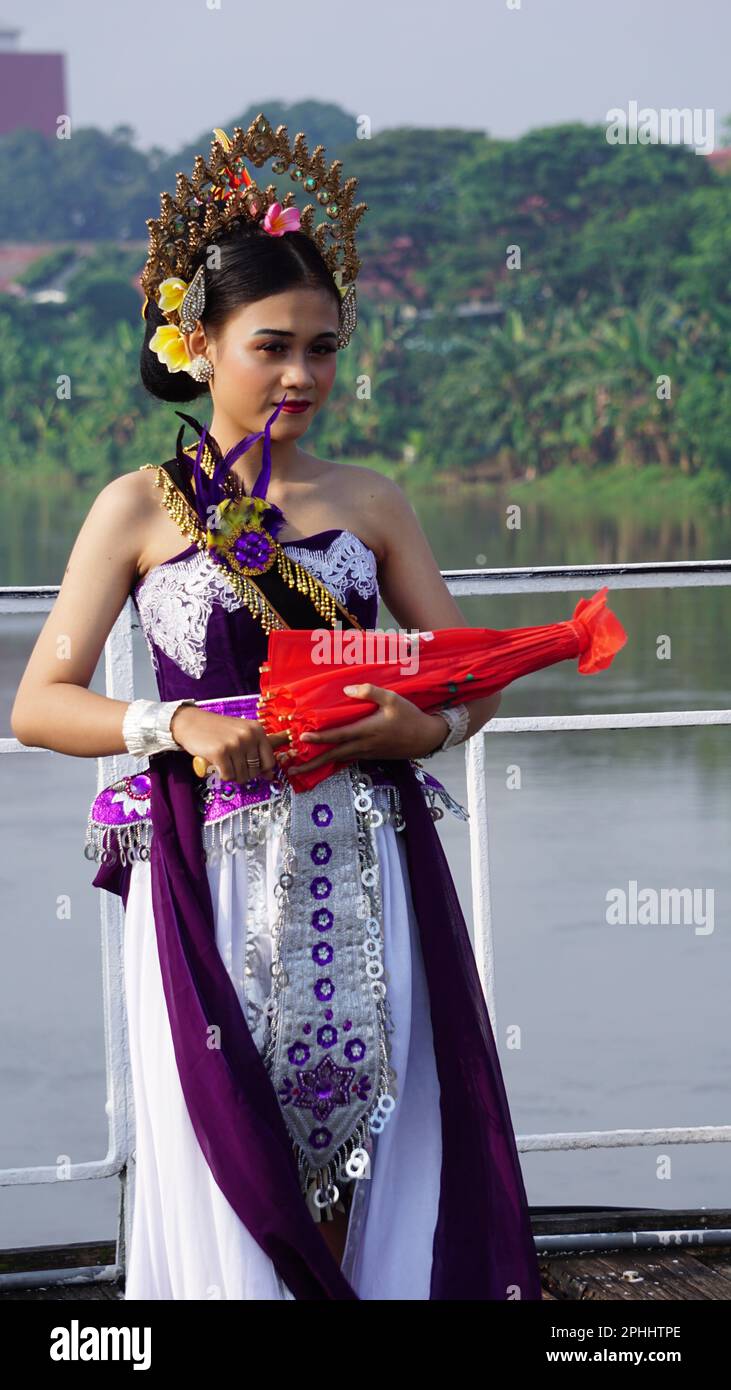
x: 172, y: 292
x: 167, y: 342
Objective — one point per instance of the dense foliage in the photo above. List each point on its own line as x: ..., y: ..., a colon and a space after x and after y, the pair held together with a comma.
x: 522, y: 303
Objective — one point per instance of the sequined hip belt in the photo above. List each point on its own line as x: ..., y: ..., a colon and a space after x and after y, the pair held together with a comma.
x: 119, y: 825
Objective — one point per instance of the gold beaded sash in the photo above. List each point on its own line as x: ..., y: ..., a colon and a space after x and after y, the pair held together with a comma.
x: 286, y: 587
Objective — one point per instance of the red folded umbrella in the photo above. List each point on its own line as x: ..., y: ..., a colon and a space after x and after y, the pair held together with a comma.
x: 302, y: 680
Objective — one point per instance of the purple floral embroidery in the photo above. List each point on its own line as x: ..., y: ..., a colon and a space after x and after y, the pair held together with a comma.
x: 347, y: 1025
x: 285, y: 1091
x: 323, y: 919
x: 328, y: 1013
x: 134, y: 795
x: 327, y: 1036
x: 362, y: 1087
x: 298, y: 1053
x: 321, y: 853
x: 322, y: 813
x: 322, y: 953
x: 320, y: 1138
x: 307, y: 1028
x: 324, y: 989
x: 321, y: 1089
x: 355, y: 1050
x: 321, y: 887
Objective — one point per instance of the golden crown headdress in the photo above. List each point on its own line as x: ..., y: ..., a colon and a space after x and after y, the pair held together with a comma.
x: 221, y: 191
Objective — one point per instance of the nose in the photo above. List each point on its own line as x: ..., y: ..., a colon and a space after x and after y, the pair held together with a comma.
x: 298, y: 383
x: 297, y: 374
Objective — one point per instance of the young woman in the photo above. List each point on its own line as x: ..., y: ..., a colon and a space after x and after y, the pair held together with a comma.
x: 258, y: 1044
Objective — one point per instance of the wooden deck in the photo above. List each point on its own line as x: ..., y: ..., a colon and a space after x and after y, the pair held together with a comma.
x: 45, y: 1257
x: 677, y: 1271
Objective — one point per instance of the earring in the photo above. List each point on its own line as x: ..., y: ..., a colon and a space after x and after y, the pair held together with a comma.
x: 200, y: 368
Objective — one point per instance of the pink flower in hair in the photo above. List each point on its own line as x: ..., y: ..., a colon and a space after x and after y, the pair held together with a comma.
x: 280, y: 220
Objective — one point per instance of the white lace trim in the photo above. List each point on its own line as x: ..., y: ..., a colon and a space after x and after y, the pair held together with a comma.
x: 175, y: 601
x: 345, y: 564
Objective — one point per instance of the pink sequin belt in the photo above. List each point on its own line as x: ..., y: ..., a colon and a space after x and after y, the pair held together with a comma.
x: 119, y: 822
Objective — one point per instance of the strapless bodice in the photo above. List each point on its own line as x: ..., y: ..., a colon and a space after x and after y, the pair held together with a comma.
x: 203, y: 640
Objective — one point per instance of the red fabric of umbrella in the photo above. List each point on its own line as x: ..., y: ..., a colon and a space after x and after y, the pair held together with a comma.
x: 302, y: 680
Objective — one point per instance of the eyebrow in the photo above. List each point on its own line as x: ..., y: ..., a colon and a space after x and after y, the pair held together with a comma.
x: 286, y: 333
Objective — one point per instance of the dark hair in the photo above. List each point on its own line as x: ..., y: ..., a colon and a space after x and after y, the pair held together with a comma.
x: 253, y: 265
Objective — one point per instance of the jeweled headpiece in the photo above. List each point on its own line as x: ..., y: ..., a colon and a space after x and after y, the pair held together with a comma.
x: 221, y: 192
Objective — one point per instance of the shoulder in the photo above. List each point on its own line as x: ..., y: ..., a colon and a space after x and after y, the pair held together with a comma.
x: 388, y: 510
x: 123, y: 512
x: 356, y: 476
x: 375, y: 499
x: 378, y: 492
x: 129, y: 491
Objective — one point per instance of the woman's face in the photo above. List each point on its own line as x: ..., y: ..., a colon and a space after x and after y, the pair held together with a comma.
x: 284, y: 343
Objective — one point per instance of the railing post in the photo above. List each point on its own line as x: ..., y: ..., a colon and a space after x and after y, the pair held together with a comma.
x: 480, y: 867
x: 119, y: 685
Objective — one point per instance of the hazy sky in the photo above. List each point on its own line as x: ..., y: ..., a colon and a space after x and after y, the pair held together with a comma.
x: 174, y: 68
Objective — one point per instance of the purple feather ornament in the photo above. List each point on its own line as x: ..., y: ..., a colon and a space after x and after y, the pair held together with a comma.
x: 210, y: 491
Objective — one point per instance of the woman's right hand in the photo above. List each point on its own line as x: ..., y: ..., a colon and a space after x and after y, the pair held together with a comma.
x: 238, y: 748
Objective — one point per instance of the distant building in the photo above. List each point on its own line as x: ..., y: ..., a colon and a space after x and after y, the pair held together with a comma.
x: 32, y: 87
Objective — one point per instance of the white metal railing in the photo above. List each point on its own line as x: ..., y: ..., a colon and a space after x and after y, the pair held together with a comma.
x: 472, y: 583
x: 119, y: 685
x: 119, y: 1158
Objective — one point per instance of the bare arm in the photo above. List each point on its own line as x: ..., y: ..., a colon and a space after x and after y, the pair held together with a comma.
x: 53, y: 706
x: 413, y: 589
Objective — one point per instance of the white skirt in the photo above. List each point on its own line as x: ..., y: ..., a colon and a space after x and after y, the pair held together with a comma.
x: 187, y: 1242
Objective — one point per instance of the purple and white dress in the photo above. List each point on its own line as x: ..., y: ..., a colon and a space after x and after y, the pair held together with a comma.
x: 440, y: 1211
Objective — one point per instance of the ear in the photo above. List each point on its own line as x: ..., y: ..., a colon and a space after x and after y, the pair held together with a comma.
x: 196, y: 342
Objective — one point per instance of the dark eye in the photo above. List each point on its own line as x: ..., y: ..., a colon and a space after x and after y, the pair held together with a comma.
x: 320, y: 349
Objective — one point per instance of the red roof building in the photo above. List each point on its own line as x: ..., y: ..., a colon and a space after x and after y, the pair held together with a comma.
x: 32, y: 87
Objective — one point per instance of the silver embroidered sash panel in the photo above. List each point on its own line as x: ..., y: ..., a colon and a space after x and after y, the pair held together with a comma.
x: 329, y: 1023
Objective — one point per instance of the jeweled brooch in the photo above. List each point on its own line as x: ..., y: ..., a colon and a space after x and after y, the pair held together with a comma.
x: 239, y: 539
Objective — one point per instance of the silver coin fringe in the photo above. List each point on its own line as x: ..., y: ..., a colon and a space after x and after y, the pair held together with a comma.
x: 103, y: 843
x: 440, y: 793
x: 266, y: 818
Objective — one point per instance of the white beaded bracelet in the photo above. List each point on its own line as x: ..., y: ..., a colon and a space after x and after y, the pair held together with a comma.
x: 146, y: 727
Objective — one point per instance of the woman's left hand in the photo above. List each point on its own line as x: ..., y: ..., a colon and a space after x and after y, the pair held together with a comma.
x: 397, y: 729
